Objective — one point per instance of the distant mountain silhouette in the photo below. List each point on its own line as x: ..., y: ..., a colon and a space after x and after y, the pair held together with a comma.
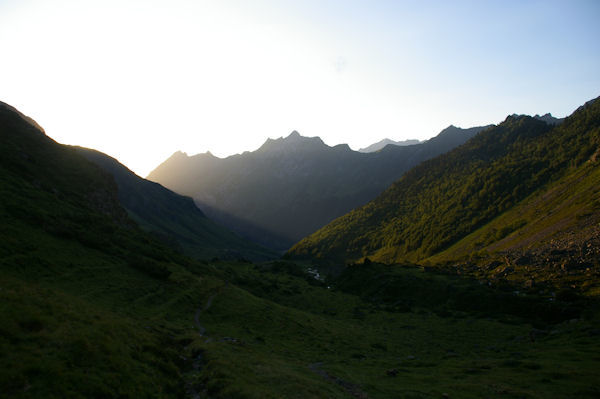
x: 380, y: 144
x: 292, y: 186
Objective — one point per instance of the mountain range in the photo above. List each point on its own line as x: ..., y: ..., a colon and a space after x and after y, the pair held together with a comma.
x: 292, y: 186
x: 524, y: 191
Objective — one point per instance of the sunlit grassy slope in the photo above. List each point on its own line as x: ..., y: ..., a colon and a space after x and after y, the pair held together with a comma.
x: 551, y: 238
x: 442, y: 201
x: 571, y: 203
x: 92, y: 306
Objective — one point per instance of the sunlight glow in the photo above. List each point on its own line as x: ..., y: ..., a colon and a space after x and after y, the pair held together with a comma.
x: 142, y: 79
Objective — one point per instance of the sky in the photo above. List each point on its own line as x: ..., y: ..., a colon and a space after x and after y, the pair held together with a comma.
x: 140, y: 80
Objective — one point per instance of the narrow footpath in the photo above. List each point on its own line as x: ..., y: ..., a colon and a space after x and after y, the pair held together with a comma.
x: 352, y: 389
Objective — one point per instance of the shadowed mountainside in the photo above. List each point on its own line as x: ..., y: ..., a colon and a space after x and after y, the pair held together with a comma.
x: 292, y: 186
x: 174, y: 218
x: 74, y: 268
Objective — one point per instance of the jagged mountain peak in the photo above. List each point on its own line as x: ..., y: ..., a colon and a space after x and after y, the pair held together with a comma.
x: 178, y: 157
x: 549, y: 119
x: 450, y: 128
x: 179, y: 154
x: 293, y: 142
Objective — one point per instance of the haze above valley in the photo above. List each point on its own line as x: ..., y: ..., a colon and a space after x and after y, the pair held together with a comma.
x: 142, y: 80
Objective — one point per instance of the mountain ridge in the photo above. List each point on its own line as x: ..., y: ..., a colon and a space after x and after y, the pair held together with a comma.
x: 548, y: 118
x: 291, y: 186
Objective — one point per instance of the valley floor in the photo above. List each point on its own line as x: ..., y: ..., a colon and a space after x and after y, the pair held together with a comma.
x: 284, y: 336
x: 240, y: 330
x: 81, y: 322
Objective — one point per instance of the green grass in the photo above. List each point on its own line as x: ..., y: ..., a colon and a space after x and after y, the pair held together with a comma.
x: 96, y: 327
x: 278, y: 335
x: 80, y: 323
x: 561, y: 206
x: 58, y: 345
x: 567, y: 211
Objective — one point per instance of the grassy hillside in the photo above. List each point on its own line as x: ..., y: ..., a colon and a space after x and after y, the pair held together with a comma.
x: 82, y: 287
x: 441, y: 201
x: 551, y: 238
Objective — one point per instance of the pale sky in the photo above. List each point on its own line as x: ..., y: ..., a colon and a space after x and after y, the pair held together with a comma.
x: 140, y: 80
